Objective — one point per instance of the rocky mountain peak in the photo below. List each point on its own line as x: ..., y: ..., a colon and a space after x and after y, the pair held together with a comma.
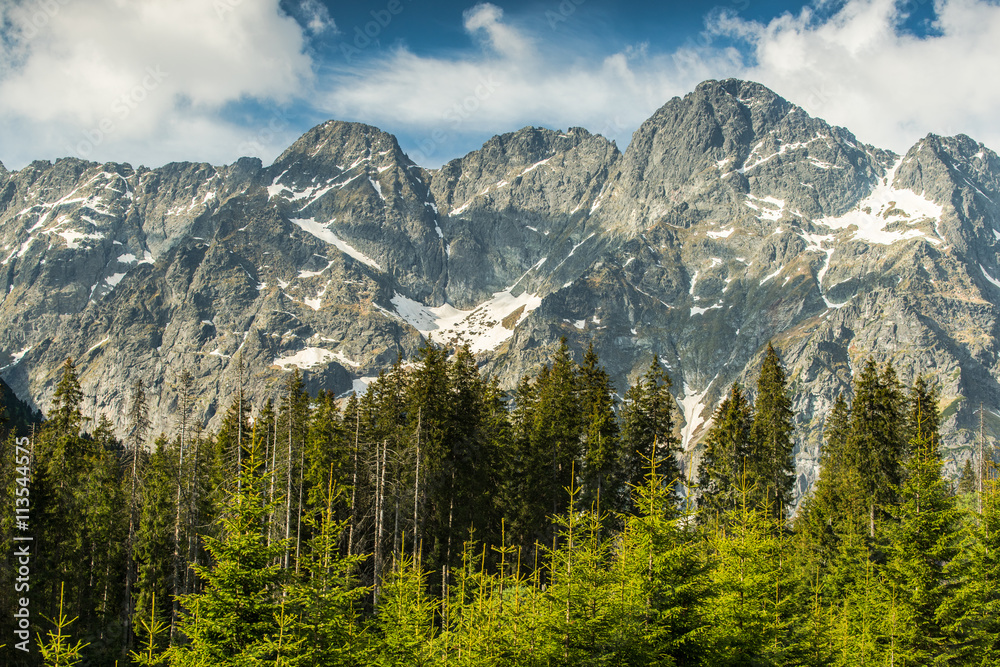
x: 728, y: 140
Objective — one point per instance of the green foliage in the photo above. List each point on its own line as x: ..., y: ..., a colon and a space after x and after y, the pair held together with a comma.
x: 436, y: 520
x: 153, y: 630
x: 772, y: 465
x: 647, y: 431
x: 232, y: 622
x: 57, y: 649
x: 728, y: 446
x: 876, y: 441
x: 405, y: 618
x: 752, y: 617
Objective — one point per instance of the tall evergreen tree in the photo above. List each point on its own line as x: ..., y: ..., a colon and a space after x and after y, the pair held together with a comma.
x: 772, y: 462
x: 725, y: 463
x: 836, y: 494
x: 923, y: 418
x: 556, y: 434
x: 138, y: 428
x: 876, y: 441
x: 66, y: 414
x: 647, y: 431
x: 601, y: 456
x: 922, y: 544
x: 234, y: 620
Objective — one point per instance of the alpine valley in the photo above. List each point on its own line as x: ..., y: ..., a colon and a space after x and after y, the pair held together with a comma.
x: 732, y: 219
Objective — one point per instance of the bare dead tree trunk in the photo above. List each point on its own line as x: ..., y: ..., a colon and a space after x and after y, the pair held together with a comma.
x: 416, y: 496
x: 380, y: 523
x: 298, y: 513
x: 354, y: 484
x: 288, y: 489
x: 270, y: 493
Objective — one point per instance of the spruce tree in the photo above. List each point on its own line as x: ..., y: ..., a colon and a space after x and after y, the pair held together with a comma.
x: 771, y: 462
x: 922, y: 544
x: 876, y: 441
x: 234, y: 620
x: 835, y: 496
x: 647, y: 428
x: 725, y: 461
x: 923, y: 418
x: 154, y: 542
x: 974, y: 612
x: 752, y: 617
x: 600, y: 433
x: 66, y: 415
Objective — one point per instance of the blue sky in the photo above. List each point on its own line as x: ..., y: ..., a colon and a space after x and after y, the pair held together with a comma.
x: 152, y: 81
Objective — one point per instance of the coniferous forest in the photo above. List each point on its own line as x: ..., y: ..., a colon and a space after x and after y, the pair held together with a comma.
x: 439, y: 520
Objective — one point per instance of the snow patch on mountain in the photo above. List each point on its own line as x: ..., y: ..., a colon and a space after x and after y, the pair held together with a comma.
x: 885, y: 206
x: 325, y: 234
x: 485, y: 327
x: 693, y: 408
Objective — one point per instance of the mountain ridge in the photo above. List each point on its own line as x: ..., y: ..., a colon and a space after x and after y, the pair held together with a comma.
x: 733, y: 218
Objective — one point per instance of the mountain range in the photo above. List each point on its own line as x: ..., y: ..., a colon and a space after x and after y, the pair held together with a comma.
x: 732, y: 219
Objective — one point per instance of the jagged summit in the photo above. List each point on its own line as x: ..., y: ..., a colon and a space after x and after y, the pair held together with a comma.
x: 732, y: 219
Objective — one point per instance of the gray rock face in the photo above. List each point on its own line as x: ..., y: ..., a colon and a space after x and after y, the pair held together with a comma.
x: 732, y: 219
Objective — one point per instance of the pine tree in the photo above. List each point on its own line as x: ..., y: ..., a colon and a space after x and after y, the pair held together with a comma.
x: 876, y: 441
x: 647, y: 431
x: 138, y: 428
x: 752, y: 618
x: 291, y: 432
x: 922, y: 544
x: 66, y: 416
x: 57, y: 650
x: 924, y: 419
x: 234, y: 620
x: 836, y: 494
x: 405, y: 621
x: 233, y: 435
x: 664, y: 582
x: 601, y: 457
x: 974, y: 612
x: 772, y: 463
x: 967, y: 482
x: 725, y: 460
x: 323, y: 599
x: 154, y: 540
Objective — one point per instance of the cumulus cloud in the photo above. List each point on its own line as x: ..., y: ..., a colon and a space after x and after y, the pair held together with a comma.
x: 96, y: 78
x: 488, y: 18
x: 858, y: 69
x: 317, y: 17
x: 514, y: 79
x: 154, y: 80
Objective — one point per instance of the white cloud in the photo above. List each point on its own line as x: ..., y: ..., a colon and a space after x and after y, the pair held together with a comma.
x: 890, y: 87
x: 163, y: 76
x: 317, y: 17
x: 106, y: 75
x: 502, y: 38
x: 515, y: 79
